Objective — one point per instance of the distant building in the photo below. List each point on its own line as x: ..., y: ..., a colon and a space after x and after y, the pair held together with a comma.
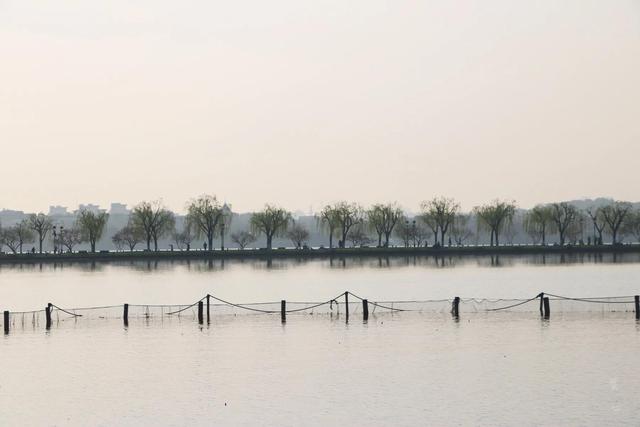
x: 118, y: 209
x: 90, y: 207
x: 10, y: 217
x: 58, y: 210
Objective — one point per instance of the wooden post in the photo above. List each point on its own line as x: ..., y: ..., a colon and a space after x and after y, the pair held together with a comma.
x: 455, y: 310
x: 125, y: 315
x: 346, y: 304
x: 365, y: 310
x: 283, y: 311
x: 547, y: 309
x: 637, y: 300
x: 6, y: 322
x: 47, y: 313
x: 541, y: 302
x: 208, y: 312
x: 200, y: 308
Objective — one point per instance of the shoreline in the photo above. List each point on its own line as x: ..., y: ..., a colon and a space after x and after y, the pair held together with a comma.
x: 315, y: 253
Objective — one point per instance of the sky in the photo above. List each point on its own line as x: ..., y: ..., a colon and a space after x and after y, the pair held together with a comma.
x: 302, y: 103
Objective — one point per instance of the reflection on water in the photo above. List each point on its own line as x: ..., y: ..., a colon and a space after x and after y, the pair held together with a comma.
x: 337, y: 262
x: 400, y: 370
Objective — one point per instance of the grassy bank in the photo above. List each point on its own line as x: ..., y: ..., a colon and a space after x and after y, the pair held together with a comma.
x: 315, y: 253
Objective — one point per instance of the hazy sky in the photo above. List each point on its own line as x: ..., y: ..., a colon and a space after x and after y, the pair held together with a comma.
x: 307, y: 102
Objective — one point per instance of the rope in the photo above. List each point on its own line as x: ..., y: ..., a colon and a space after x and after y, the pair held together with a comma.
x: 514, y: 305
x: 331, y: 301
x: 186, y: 308
x: 594, y: 300
x: 65, y: 311
x: 379, y: 305
x: 242, y: 307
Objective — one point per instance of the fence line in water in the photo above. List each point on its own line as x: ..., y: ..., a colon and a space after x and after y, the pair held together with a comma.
x: 359, y: 305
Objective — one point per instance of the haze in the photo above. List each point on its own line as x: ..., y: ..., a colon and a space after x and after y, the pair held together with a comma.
x: 302, y: 103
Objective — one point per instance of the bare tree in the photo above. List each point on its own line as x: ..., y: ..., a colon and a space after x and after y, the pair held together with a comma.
x: 185, y: 237
x: 91, y: 226
x: 412, y: 233
x: 272, y: 221
x: 614, y: 215
x: 631, y: 224
x: 404, y: 231
x: 599, y: 223
x: 129, y: 235
x: 575, y: 231
x: 243, y: 238
x: 298, y: 235
x: 9, y: 237
x: 382, y: 218
x: 347, y: 215
x: 460, y: 229
x: 563, y: 215
x: 442, y: 211
x: 358, y: 236
x: 24, y: 233
x: 41, y: 224
x: 328, y: 220
x: 69, y: 237
x: 429, y: 220
x: 154, y: 219
x: 537, y: 223
x: 495, y: 217
x: 208, y: 217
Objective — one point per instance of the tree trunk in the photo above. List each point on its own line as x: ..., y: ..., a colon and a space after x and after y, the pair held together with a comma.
x: 155, y: 243
x: 544, y: 234
x: 614, y: 234
x: 148, y: 242
x: 93, y: 246
x: 379, y: 239
x: 331, y: 239
x: 269, y: 238
x: 41, y: 239
x: 210, y: 241
x: 442, y: 233
x: 497, y: 242
x: 386, y: 239
x: 492, y: 237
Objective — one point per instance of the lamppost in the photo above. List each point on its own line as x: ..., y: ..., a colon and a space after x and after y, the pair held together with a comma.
x: 57, y: 239
x: 413, y: 232
x: 222, y: 235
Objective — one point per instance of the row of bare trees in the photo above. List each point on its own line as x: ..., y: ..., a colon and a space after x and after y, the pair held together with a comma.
x: 88, y: 228
x: 440, y: 221
x: 617, y: 218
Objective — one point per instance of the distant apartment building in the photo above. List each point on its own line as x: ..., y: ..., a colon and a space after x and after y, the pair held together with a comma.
x: 10, y: 217
x: 58, y: 211
x: 118, y: 209
x: 90, y: 207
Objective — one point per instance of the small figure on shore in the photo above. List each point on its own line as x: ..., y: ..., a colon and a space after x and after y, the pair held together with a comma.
x: 188, y: 247
x: 171, y: 245
x: 204, y: 245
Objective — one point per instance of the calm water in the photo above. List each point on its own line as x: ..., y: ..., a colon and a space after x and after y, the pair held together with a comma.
x: 402, y: 369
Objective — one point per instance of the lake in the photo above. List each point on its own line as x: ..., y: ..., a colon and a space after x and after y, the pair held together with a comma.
x: 405, y: 368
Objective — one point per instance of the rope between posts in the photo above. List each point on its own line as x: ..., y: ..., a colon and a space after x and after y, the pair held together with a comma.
x: 241, y: 306
x: 186, y: 308
x: 331, y: 301
x: 65, y: 311
x: 595, y: 300
x: 379, y: 305
x: 514, y: 305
